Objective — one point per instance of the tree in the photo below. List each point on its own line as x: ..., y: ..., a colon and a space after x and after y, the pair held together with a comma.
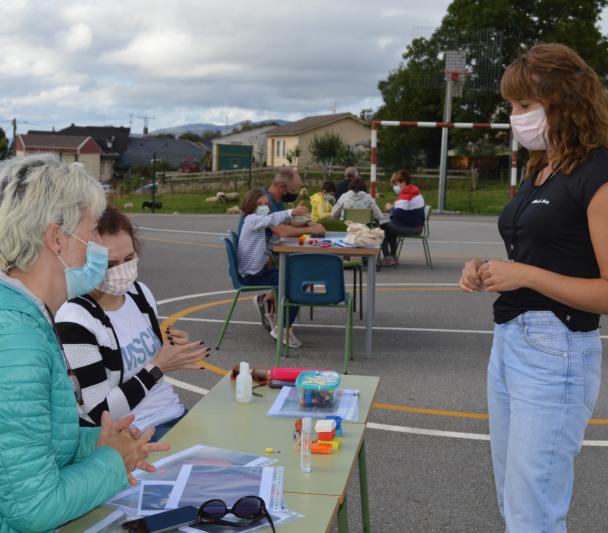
x: 3, y: 145
x: 326, y: 148
x: 190, y: 136
x: 293, y: 155
x: 412, y: 91
x: 211, y: 134
x: 164, y: 136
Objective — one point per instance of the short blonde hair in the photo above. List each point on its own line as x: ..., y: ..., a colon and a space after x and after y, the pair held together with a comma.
x: 36, y: 191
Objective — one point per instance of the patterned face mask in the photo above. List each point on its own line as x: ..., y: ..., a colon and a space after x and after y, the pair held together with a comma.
x: 119, y: 278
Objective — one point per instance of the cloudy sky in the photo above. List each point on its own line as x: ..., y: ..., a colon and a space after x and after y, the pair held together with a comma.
x: 184, y: 61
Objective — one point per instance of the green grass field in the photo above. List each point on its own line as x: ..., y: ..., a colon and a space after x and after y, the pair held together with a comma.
x: 488, y: 199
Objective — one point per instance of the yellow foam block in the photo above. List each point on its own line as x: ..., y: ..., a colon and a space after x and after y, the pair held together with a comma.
x: 336, y: 442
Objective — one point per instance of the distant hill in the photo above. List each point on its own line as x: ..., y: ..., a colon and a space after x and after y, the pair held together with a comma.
x: 201, y: 127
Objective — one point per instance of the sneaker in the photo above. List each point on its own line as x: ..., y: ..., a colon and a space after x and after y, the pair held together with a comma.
x: 389, y: 260
x: 293, y: 341
x: 259, y: 301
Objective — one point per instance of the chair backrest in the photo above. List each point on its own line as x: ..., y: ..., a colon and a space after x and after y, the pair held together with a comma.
x: 427, y: 214
x: 304, y: 270
x: 232, y: 262
x: 363, y: 216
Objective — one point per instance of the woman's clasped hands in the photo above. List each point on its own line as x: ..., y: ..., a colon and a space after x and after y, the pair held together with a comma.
x: 131, y: 444
x: 493, y: 276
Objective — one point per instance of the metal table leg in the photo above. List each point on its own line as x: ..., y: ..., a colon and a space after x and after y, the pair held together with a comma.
x: 279, y: 305
x: 371, y: 303
x: 363, y: 488
x: 343, y: 517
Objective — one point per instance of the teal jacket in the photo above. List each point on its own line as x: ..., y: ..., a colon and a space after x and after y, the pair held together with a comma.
x: 50, y: 468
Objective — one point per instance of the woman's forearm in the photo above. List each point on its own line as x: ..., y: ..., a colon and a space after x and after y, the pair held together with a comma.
x: 590, y: 295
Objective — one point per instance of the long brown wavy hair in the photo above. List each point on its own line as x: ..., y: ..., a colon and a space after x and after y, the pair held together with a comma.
x: 574, y: 100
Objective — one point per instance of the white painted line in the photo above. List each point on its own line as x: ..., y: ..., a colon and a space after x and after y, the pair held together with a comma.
x: 386, y: 427
x: 468, y: 242
x: 186, y: 386
x: 232, y: 291
x: 146, y: 228
x: 338, y: 326
x: 191, y: 296
x: 429, y: 432
x: 454, y: 434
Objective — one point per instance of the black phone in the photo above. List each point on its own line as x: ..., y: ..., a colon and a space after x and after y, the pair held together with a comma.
x: 165, y: 521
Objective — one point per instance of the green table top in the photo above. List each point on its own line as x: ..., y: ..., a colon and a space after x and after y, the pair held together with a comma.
x: 319, y: 514
x: 243, y: 431
x: 221, y: 399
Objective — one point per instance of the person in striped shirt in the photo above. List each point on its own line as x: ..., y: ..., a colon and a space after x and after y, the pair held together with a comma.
x: 254, y: 256
x: 113, y: 343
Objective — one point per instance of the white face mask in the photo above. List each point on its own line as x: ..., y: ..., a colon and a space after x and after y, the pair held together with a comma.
x: 530, y: 129
x: 262, y: 210
x: 119, y: 278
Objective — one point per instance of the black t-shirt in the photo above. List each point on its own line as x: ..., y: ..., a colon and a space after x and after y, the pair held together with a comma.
x: 551, y: 232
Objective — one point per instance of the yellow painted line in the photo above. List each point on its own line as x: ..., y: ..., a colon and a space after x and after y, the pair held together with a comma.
x: 422, y: 411
x: 189, y: 243
x: 171, y: 319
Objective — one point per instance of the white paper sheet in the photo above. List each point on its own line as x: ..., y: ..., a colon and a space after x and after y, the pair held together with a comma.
x: 199, y: 483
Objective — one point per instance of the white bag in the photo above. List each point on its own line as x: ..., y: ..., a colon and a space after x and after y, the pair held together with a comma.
x: 360, y: 235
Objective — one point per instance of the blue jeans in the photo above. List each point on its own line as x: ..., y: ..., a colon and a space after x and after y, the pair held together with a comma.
x: 165, y: 427
x: 543, y: 382
x: 269, y: 276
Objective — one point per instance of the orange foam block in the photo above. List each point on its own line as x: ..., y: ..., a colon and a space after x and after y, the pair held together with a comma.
x: 320, y: 447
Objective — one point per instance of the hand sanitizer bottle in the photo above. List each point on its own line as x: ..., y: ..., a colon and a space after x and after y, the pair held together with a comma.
x: 305, y: 445
x: 244, y: 384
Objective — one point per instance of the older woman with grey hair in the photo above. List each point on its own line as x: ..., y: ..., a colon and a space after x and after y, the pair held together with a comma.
x: 51, y: 469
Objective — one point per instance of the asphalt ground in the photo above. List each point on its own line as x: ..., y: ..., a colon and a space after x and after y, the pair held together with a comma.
x: 428, y: 455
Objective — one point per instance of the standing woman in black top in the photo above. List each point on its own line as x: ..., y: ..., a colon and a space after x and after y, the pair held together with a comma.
x: 545, y: 366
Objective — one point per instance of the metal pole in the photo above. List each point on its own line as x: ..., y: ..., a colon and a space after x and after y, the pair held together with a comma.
x: 154, y: 183
x: 443, y: 156
x: 374, y: 158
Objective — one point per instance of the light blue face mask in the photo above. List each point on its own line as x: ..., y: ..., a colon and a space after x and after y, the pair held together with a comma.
x: 329, y: 197
x: 262, y: 210
x: 83, y: 279
x: 397, y: 189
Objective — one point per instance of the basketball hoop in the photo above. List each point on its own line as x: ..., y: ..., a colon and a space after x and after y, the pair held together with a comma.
x: 455, y: 70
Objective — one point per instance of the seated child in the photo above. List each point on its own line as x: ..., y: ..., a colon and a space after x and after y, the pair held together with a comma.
x: 321, y: 202
x: 406, y: 215
x: 254, y: 257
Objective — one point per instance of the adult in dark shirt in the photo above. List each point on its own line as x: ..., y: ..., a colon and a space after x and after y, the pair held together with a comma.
x: 350, y: 173
x: 545, y: 366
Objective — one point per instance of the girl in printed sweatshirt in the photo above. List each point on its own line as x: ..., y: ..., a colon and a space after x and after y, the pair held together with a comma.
x: 254, y: 257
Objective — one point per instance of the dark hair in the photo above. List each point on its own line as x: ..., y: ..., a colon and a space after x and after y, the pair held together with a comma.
x: 250, y: 202
x: 328, y: 186
x: 573, y: 97
x: 401, y: 176
x: 113, y: 221
x: 357, y: 184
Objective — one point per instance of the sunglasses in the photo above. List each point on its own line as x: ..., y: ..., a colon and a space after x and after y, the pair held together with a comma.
x: 250, y: 508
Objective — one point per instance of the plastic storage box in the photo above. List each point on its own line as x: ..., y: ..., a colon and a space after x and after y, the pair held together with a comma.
x: 317, y: 388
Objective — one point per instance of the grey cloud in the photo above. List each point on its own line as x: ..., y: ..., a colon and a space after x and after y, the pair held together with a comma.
x: 257, y: 59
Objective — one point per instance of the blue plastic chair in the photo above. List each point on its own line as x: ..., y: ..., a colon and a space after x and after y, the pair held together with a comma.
x: 304, y: 270
x: 230, y: 244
